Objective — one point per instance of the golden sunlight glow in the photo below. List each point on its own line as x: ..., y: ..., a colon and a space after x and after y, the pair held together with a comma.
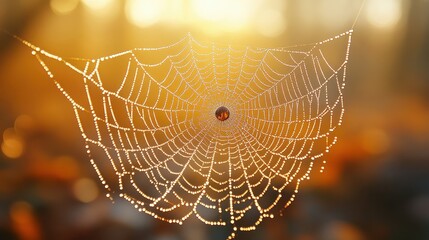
x: 212, y: 10
x: 384, y: 14
x: 97, y: 4
x: 337, y: 14
x: 175, y: 12
x: 240, y: 13
x: 144, y: 13
x: 270, y: 23
x: 213, y: 16
x: 61, y: 7
x: 227, y: 15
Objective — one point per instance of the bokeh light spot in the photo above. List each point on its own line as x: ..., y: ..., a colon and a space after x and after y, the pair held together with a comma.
x: 211, y: 10
x: 62, y: 7
x: 384, y: 14
x: 97, y: 4
x: 144, y: 13
x: 12, y: 145
x: 85, y: 190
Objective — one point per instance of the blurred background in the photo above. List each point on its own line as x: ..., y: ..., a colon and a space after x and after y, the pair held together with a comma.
x: 376, y: 181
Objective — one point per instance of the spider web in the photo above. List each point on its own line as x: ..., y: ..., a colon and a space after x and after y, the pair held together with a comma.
x: 147, y: 119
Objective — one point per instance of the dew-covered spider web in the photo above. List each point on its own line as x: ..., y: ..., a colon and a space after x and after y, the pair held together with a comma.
x: 222, y: 133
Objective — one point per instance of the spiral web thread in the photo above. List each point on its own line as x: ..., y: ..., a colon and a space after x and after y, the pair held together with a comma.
x: 147, y: 118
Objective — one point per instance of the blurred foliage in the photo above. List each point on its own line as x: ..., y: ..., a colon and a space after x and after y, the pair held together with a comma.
x: 375, y: 184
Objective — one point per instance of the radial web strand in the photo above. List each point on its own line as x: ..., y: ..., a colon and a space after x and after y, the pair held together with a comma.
x: 222, y: 133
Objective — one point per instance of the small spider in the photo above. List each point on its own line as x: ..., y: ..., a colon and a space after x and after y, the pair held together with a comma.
x: 222, y: 113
